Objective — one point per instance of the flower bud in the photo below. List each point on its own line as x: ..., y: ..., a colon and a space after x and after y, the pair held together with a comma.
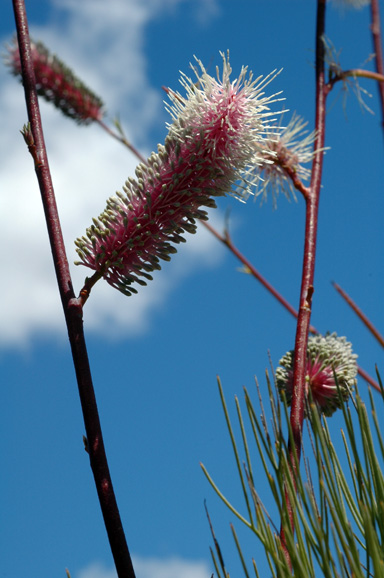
x: 331, y: 366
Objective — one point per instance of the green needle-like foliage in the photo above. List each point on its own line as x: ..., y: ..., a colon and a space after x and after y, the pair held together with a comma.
x: 338, y: 498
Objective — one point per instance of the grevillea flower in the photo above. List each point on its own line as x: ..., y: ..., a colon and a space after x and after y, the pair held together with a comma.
x: 56, y: 83
x: 284, y: 156
x: 212, y: 142
x: 331, y: 365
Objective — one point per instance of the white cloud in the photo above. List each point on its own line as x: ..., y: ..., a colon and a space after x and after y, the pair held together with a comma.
x: 104, y: 42
x: 153, y: 568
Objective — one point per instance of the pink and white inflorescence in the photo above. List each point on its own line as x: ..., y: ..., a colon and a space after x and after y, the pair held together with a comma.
x: 330, y: 372
x: 57, y: 84
x: 212, y: 145
x: 287, y: 154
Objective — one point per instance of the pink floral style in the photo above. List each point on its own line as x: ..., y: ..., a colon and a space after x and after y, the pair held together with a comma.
x: 56, y: 83
x: 212, y: 146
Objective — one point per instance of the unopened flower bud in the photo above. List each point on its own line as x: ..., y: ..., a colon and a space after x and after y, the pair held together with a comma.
x: 331, y: 368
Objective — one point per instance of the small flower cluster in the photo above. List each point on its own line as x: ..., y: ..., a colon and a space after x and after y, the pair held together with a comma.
x: 213, y: 141
x: 331, y: 368
x: 284, y: 157
x: 56, y: 83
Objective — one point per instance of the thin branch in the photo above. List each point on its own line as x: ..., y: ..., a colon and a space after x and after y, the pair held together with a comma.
x: 360, y: 314
x: 376, y: 37
x: 122, y: 139
x: 86, y: 290
x: 227, y: 241
x: 251, y: 269
x: 355, y: 73
x: 297, y: 183
x: 368, y: 378
x: 72, y: 307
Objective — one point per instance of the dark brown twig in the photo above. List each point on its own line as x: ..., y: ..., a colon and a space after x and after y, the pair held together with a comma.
x: 72, y: 307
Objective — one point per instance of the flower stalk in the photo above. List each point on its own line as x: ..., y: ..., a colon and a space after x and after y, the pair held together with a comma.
x: 283, y: 158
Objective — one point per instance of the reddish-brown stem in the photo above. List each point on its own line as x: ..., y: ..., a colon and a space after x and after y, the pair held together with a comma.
x: 312, y: 207
x: 249, y: 267
x: 368, y: 378
x: 297, y: 183
x: 360, y: 314
x: 123, y: 140
x: 307, y: 280
x: 86, y: 290
x: 227, y: 241
x: 355, y: 73
x: 72, y: 307
x: 376, y: 37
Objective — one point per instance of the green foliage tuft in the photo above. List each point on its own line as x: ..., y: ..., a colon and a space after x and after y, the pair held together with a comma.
x: 339, y: 518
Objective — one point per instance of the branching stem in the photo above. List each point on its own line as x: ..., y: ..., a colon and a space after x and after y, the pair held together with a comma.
x: 307, y: 280
x: 355, y: 73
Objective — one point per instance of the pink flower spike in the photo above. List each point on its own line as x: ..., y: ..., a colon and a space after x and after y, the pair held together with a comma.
x: 56, y: 83
x: 212, y: 144
x: 331, y: 367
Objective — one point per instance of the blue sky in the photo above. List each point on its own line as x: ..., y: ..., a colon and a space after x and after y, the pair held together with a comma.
x: 155, y: 356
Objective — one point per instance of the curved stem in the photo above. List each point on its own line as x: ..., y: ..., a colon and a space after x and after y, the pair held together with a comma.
x: 72, y: 307
x: 355, y: 73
